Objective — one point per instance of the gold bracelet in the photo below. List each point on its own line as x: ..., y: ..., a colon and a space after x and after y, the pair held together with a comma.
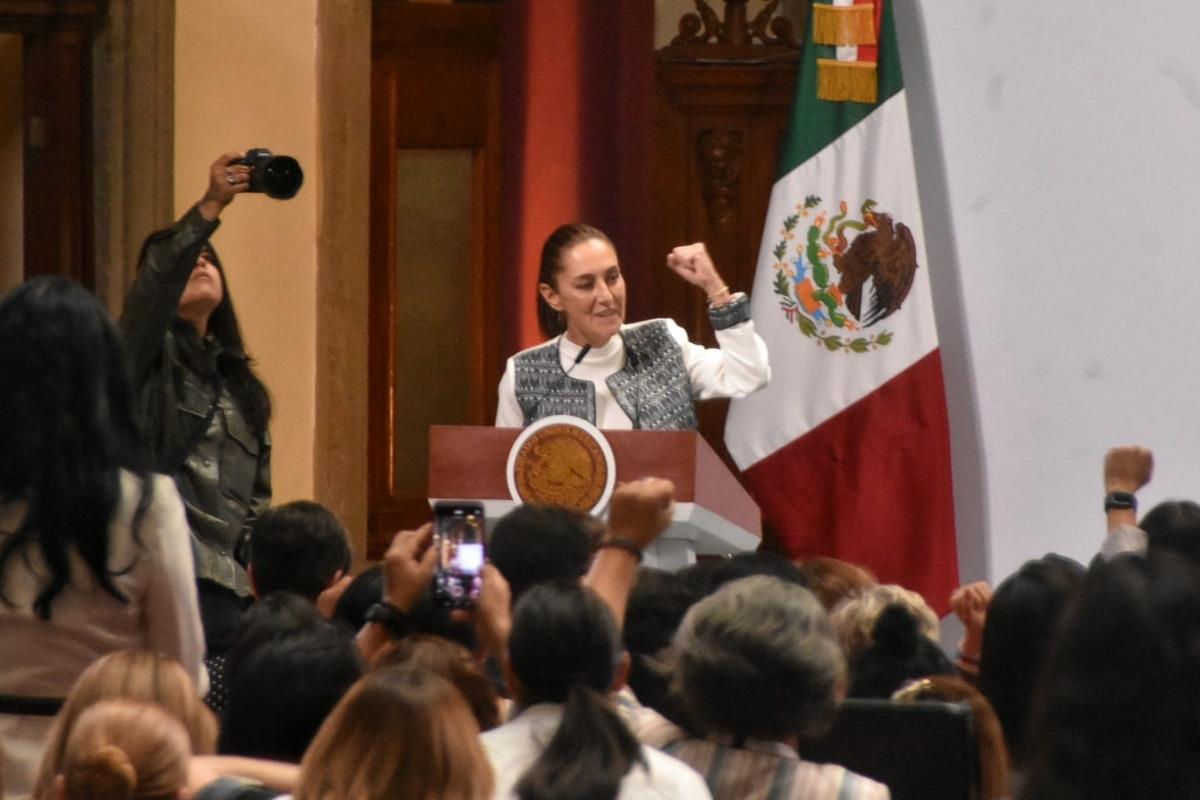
x: 723, y: 290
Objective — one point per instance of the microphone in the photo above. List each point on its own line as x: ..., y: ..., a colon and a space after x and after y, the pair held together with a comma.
x: 583, y: 351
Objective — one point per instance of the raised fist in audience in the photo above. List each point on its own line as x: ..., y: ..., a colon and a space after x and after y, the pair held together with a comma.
x: 1127, y: 469
x: 970, y: 604
x: 641, y: 510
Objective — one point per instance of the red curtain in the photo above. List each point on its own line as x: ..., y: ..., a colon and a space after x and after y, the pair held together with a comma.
x: 577, y: 141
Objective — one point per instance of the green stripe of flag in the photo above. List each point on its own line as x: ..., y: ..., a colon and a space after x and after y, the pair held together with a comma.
x: 816, y: 123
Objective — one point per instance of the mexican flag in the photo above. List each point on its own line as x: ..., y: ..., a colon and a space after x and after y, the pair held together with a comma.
x: 847, y: 450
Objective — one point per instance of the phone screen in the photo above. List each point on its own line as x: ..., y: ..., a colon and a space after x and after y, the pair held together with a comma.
x: 459, y: 538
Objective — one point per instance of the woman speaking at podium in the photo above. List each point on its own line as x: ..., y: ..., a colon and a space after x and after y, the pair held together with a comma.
x: 644, y: 375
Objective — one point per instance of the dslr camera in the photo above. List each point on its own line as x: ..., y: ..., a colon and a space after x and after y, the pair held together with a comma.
x: 275, y: 176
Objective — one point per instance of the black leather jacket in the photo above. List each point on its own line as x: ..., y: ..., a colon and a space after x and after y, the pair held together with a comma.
x: 223, y: 472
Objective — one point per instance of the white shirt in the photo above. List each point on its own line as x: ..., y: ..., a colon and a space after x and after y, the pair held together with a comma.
x: 515, y: 746
x: 42, y: 658
x: 735, y: 369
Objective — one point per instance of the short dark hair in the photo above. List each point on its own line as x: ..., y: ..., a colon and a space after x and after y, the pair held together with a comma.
x: 284, y: 677
x: 534, y: 543
x: 1174, y: 526
x: 298, y: 547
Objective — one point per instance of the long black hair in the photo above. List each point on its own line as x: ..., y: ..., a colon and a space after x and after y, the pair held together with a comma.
x: 564, y: 649
x: 67, y: 428
x: 555, y: 247
x: 233, y: 365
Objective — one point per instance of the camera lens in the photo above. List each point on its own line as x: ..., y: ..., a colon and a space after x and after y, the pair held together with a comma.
x: 282, y: 177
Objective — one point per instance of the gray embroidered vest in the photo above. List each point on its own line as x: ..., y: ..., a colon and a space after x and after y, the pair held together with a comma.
x: 652, y: 388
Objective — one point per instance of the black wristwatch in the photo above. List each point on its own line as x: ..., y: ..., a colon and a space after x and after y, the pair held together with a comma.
x: 1120, y: 500
x: 390, y: 617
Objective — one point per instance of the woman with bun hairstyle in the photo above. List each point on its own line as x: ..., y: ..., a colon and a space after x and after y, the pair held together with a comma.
x: 137, y: 676
x: 645, y: 375
x: 564, y: 658
x: 94, y: 553
x: 124, y: 750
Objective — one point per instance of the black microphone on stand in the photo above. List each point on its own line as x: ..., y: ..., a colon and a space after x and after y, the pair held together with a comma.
x: 583, y: 351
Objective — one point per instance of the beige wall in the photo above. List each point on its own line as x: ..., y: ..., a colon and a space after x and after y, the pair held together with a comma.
x: 12, y: 220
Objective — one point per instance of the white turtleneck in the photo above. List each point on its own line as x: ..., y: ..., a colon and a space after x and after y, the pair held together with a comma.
x: 735, y: 369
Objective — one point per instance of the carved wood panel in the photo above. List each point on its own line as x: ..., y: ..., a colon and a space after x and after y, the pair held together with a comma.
x: 719, y: 130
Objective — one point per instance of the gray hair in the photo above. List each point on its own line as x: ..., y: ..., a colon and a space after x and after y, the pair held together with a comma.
x: 758, y: 658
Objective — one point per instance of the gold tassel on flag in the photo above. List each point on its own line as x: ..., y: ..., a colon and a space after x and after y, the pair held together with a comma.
x: 843, y: 25
x: 840, y: 81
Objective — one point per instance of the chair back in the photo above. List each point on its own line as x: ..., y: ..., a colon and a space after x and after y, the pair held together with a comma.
x: 920, y: 750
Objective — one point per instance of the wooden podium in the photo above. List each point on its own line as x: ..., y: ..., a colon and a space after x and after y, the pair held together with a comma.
x: 713, y: 513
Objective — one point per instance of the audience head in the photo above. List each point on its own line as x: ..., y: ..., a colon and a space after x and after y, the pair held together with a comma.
x: 1021, y: 622
x: 656, y: 606
x: 125, y: 750
x: 362, y: 593
x: 138, y: 675
x: 993, y: 755
x: 833, y: 580
x: 399, y: 732
x: 1173, y: 526
x: 67, y: 426
x: 454, y: 663
x: 706, y: 577
x: 564, y: 649
x: 282, y: 683
x: 535, y: 543
x: 1119, y: 704
x: 759, y: 659
x: 854, y: 618
x: 899, y: 652
x: 298, y: 547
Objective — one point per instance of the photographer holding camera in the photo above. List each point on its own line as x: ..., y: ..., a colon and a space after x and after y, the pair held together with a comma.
x: 205, y: 413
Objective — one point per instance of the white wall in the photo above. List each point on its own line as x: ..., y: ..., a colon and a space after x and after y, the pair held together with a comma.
x: 1056, y: 148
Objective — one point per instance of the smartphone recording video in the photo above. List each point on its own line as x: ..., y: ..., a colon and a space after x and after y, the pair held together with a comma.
x: 460, y: 542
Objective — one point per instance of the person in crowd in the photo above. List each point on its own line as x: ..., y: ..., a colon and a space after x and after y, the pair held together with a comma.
x: 400, y: 732
x: 206, y: 411
x: 854, y: 618
x: 125, y: 750
x: 454, y: 663
x: 1119, y: 702
x: 299, y: 547
x: 567, y: 740
x: 833, y: 580
x: 535, y: 543
x: 1021, y: 623
x: 993, y: 755
x: 756, y: 666
x: 285, y: 673
x: 899, y: 652
x: 94, y: 553
x: 140, y: 676
x: 645, y: 375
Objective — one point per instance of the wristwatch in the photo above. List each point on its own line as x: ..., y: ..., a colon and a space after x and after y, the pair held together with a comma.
x: 1119, y: 500
x: 390, y: 617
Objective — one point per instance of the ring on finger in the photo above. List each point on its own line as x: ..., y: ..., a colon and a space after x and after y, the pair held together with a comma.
x: 230, y: 179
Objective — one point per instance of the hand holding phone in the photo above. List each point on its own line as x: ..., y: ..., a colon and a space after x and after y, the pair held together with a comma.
x: 460, y: 542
